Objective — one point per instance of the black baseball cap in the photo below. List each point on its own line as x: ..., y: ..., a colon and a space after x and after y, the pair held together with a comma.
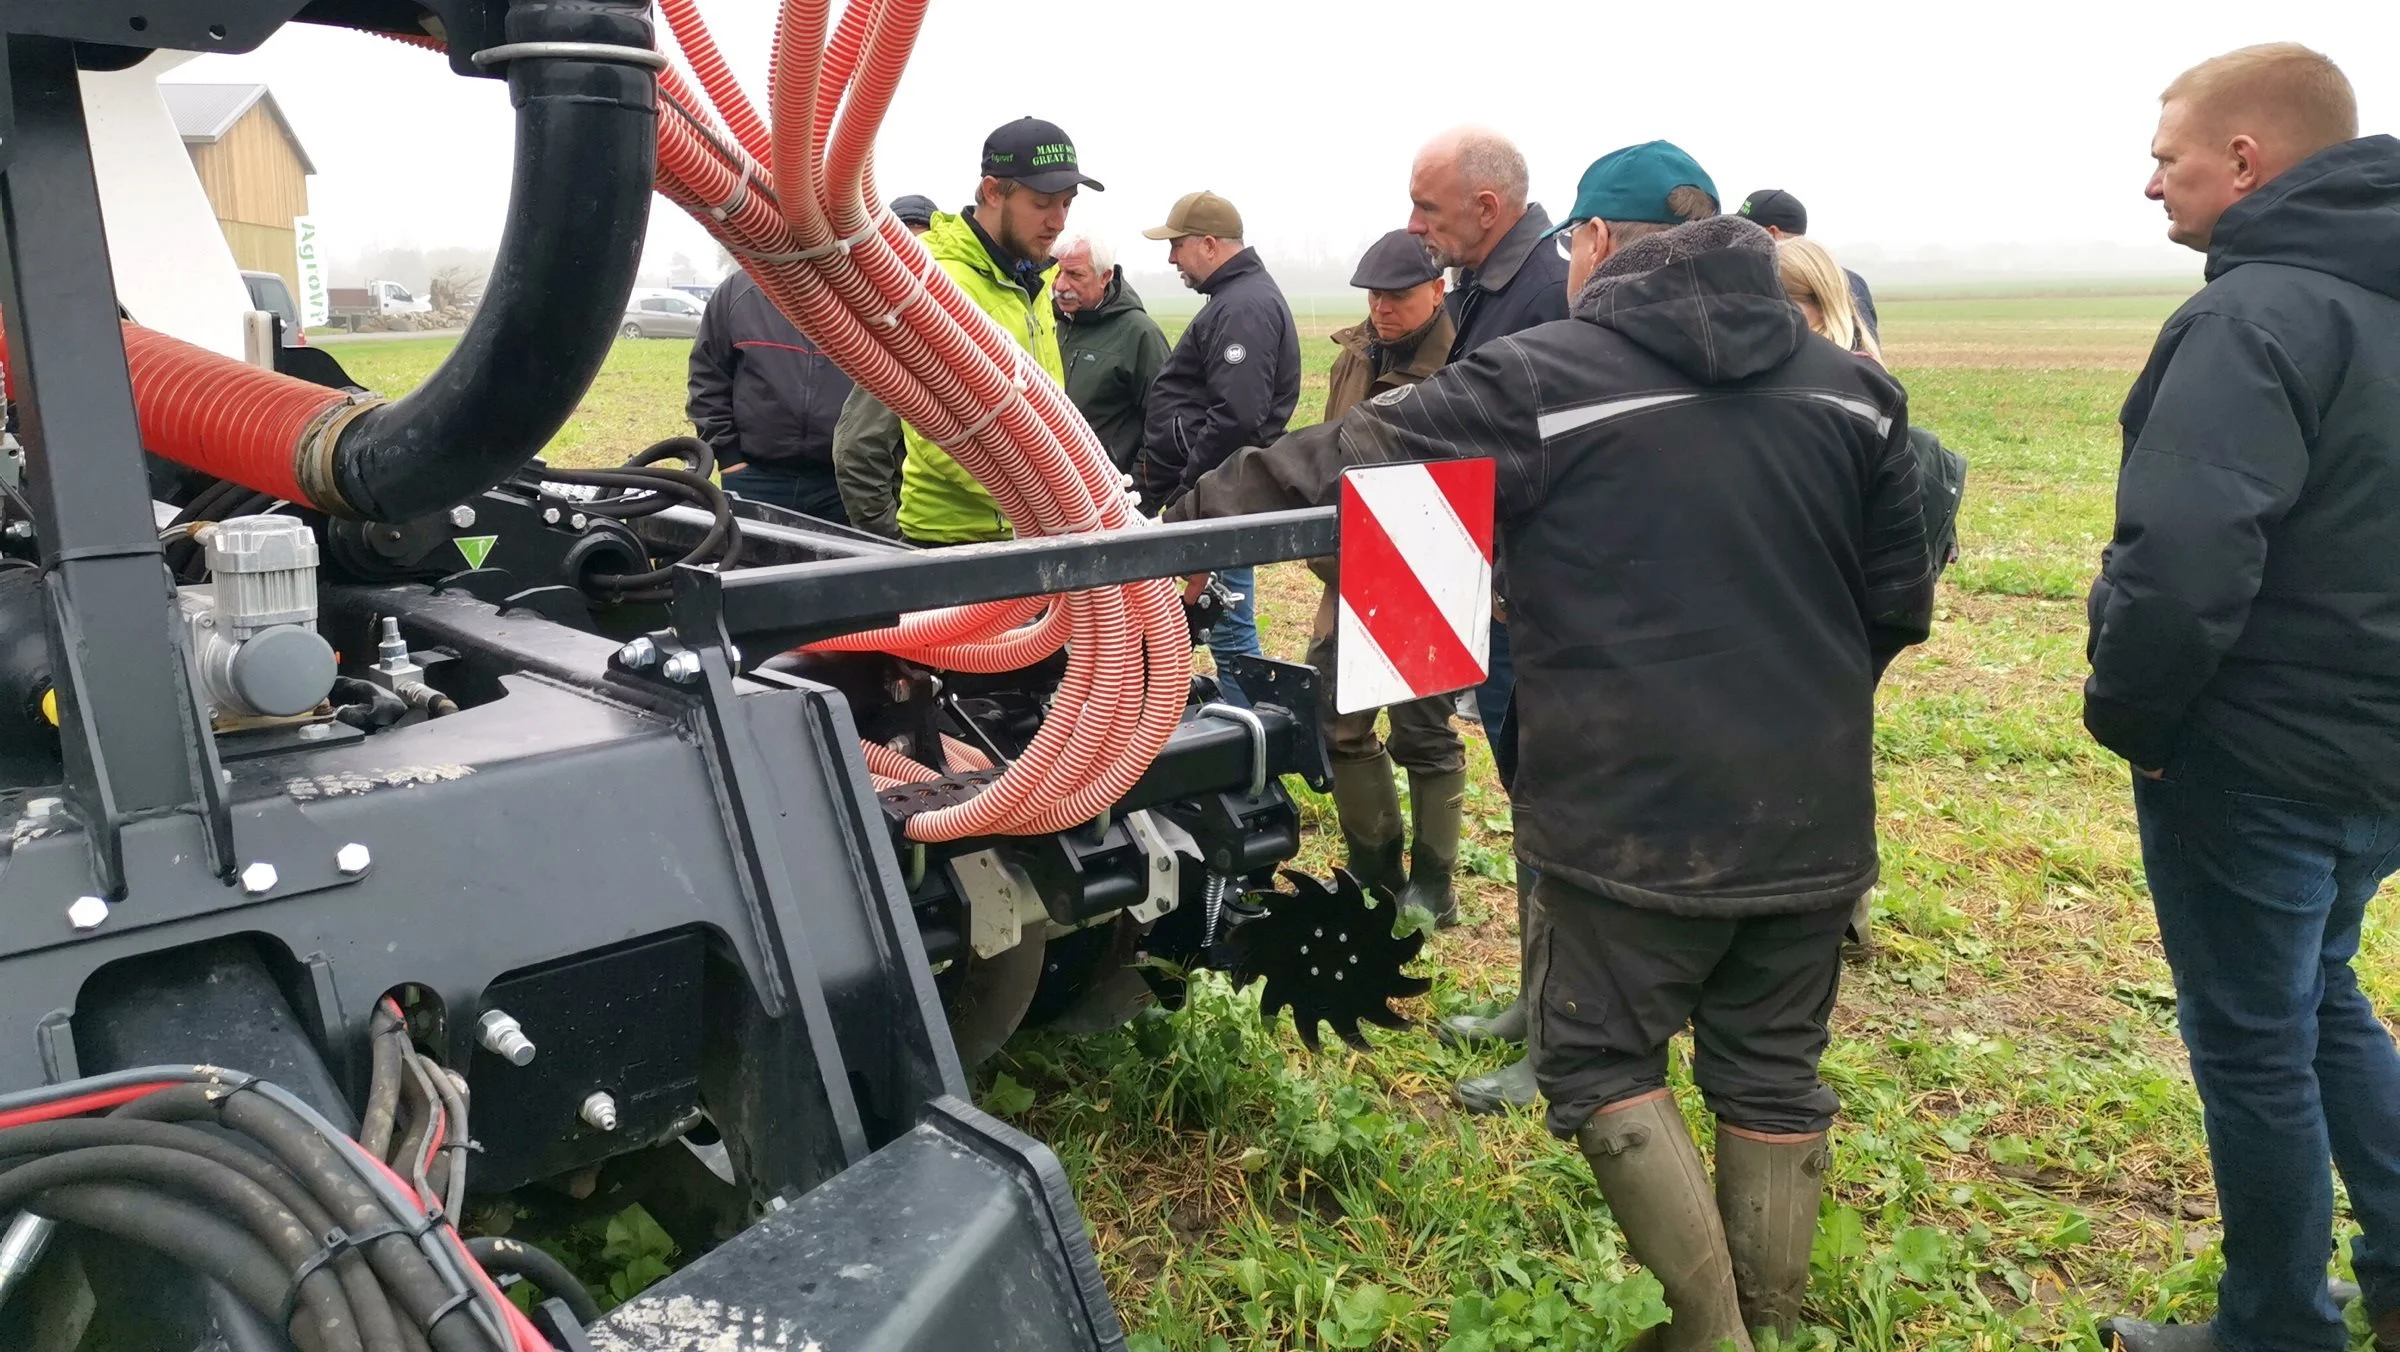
x: 914, y: 210
x: 1773, y: 207
x: 1397, y: 262
x: 1036, y: 154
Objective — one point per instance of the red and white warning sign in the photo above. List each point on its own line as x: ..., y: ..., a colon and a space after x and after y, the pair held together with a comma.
x: 1416, y: 582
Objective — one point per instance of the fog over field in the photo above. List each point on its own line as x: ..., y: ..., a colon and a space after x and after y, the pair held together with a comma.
x: 1931, y: 143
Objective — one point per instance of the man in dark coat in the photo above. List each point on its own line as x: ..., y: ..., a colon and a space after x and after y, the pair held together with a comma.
x: 765, y: 399
x: 1404, y: 339
x: 2245, y: 655
x: 1467, y: 195
x: 1232, y: 381
x: 1780, y: 214
x: 1712, y: 524
x: 1110, y: 345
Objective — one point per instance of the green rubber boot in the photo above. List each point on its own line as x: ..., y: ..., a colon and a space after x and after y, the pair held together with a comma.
x: 1367, y: 803
x: 1436, y: 803
x: 1657, y: 1188
x: 1462, y: 1030
x: 1767, y: 1190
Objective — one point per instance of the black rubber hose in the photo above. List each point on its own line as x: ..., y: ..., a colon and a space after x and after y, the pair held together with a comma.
x: 538, y: 1267
x: 378, y: 1326
x: 404, y: 1269
x: 579, y: 204
x: 388, y: 1044
x: 228, y: 1195
x: 184, y: 1234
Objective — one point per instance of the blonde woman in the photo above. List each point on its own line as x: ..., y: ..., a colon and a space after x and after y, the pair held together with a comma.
x: 1817, y: 285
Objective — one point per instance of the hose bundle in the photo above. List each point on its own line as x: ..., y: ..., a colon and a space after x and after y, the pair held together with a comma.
x: 793, y: 197
x: 235, y: 1179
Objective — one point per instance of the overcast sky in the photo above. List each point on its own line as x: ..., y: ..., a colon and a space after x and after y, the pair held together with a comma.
x: 2015, y: 135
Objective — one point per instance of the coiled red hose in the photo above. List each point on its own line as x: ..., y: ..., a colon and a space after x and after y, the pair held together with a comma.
x: 807, y: 229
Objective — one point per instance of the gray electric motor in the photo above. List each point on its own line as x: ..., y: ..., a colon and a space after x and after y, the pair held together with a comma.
x: 254, y: 626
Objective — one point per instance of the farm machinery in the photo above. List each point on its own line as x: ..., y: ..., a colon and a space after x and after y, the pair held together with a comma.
x: 411, y: 844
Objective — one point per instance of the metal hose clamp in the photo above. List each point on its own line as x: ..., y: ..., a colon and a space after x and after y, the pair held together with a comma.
x: 569, y: 51
x: 312, y: 459
x: 1234, y: 713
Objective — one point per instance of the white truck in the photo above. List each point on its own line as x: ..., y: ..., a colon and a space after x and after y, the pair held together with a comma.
x: 349, y: 306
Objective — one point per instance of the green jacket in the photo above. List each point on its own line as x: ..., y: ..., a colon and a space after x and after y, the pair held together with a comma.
x: 1112, y: 352
x: 940, y: 503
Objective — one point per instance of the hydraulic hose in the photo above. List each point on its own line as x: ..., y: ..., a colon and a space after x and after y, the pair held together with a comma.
x: 498, y: 1255
x: 579, y: 199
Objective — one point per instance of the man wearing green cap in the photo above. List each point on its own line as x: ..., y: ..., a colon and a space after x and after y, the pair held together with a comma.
x: 999, y: 254
x: 1715, y: 545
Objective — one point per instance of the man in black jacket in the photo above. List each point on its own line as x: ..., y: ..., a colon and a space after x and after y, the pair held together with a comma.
x: 1712, y: 525
x: 2245, y: 657
x: 1232, y: 381
x: 765, y: 399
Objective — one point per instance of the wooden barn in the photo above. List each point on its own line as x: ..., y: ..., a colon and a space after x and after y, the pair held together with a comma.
x: 252, y: 167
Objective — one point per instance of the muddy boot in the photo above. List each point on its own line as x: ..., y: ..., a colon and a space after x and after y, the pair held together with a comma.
x: 1465, y: 1030
x: 1657, y: 1187
x: 1506, y: 1090
x: 1436, y: 803
x: 1460, y: 1030
x: 1368, y: 805
x: 2124, y: 1334
x: 1767, y: 1190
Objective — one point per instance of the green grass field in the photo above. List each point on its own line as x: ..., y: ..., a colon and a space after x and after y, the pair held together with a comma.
x: 2020, y: 1148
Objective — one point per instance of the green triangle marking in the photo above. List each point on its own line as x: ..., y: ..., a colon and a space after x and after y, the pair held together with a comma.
x: 476, y: 548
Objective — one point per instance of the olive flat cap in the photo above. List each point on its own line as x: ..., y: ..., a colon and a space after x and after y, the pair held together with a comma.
x: 1199, y: 213
x: 1397, y: 262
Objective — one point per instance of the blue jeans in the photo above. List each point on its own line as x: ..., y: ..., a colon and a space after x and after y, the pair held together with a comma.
x: 2260, y: 900
x: 1236, y: 631
x: 1493, y: 699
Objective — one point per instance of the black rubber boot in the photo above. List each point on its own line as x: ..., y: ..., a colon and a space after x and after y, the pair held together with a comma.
x: 1657, y: 1188
x: 1437, y: 803
x: 2127, y: 1334
x: 1767, y: 1190
x: 1367, y: 803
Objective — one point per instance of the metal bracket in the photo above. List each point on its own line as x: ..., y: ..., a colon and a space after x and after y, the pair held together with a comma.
x: 1232, y: 713
x: 1001, y: 899
x: 1162, y: 867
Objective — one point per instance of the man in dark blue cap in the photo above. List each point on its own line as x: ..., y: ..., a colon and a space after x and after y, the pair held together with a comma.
x: 1715, y: 545
x: 1405, y: 338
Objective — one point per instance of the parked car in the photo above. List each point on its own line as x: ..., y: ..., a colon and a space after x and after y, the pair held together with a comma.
x: 375, y: 300
x: 661, y: 314
x: 268, y: 293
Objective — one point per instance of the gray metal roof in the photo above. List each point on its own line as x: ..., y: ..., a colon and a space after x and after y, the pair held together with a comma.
x: 203, y: 113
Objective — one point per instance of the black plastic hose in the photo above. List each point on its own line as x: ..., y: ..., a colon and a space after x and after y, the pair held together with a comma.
x: 579, y: 205
x: 538, y: 1267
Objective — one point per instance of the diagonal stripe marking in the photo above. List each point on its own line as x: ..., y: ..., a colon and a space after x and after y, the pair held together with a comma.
x: 1363, y: 676
x: 1415, y: 514
x: 1422, y: 644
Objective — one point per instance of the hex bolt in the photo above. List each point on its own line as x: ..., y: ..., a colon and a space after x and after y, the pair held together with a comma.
x: 600, y: 1111
x: 463, y: 517
x: 259, y: 878
x: 42, y: 809
x: 551, y: 515
x: 683, y: 668
x: 87, y: 913
x: 578, y: 521
x: 638, y: 655
x: 353, y: 859
x: 315, y: 732
x: 504, y: 1037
